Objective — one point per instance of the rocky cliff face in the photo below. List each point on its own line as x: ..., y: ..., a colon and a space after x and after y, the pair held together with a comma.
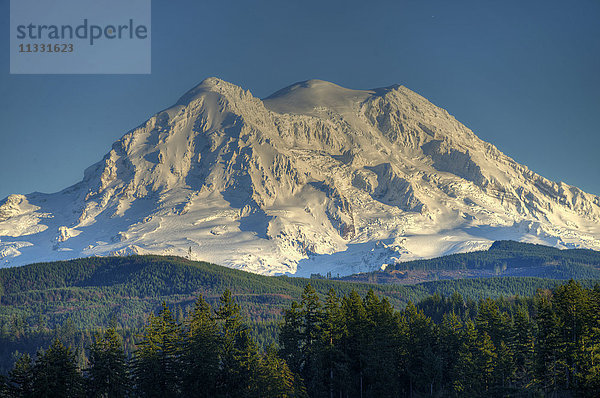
x: 314, y: 178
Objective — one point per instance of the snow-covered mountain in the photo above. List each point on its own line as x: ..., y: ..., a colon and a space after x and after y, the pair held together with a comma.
x: 314, y: 178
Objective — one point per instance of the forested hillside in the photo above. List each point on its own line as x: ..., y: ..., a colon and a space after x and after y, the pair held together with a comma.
x: 74, y: 299
x: 340, y: 345
x: 503, y: 258
x: 93, y: 292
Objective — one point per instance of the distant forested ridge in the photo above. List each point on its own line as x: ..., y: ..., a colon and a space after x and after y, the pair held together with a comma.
x: 93, y: 292
x: 505, y: 255
x: 347, y: 344
x: 503, y: 258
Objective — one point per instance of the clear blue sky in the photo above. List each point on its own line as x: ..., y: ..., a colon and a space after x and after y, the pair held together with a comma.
x: 523, y: 75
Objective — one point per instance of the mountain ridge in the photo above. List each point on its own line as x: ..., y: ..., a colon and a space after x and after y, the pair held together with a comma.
x: 104, y: 287
x: 501, y: 259
x: 313, y: 178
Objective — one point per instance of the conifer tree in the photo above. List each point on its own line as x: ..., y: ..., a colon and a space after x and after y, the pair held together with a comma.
x: 200, y: 354
x: 466, y: 380
x: 334, y: 361
x: 380, y: 358
x: 311, y: 328
x: 355, y: 342
x: 423, y: 364
x: 489, y: 320
x: 108, y: 374
x: 240, y: 362
x: 276, y: 380
x: 290, y: 337
x: 588, y: 357
x: 485, y: 361
x: 156, y: 358
x: 571, y: 306
x: 55, y: 373
x: 504, y: 368
x: 549, y: 348
x: 450, y: 344
x: 5, y: 390
x: 21, y: 377
x: 523, y: 348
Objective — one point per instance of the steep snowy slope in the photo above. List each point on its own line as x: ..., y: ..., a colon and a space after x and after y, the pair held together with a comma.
x: 314, y: 178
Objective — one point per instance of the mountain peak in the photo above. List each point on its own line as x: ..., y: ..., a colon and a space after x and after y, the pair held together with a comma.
x: 208, y: 85
x: 314, y: 178
x: 307, y: 96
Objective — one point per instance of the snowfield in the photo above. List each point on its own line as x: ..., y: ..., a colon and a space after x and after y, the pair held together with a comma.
x: 315, y: 178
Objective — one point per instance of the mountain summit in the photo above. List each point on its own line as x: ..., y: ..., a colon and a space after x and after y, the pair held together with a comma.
x: 314, y: 178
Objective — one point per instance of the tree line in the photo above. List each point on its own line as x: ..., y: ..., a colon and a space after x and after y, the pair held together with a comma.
x: 340, y: 346
x: 353, y: 346
x: 210, y: 354
x: 506, y: 255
